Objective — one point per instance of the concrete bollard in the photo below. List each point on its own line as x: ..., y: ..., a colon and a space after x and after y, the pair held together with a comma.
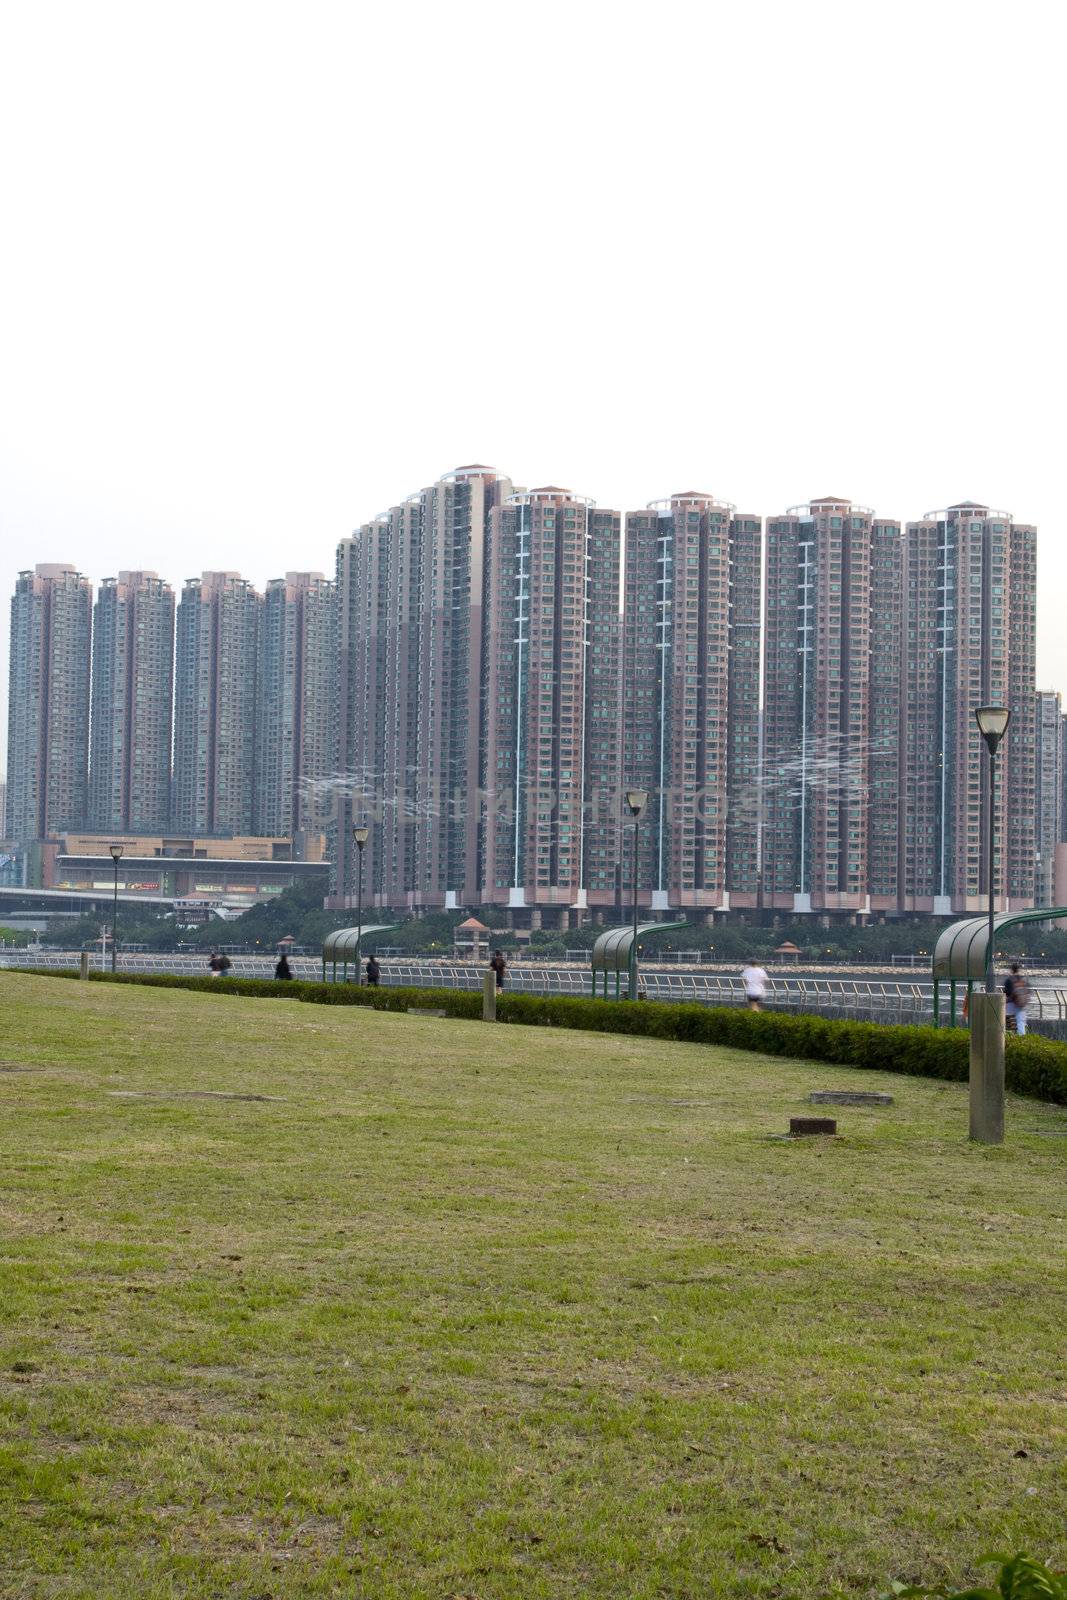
x: 489, y: 997
x: 987, y: 1067
x: 83, y: 965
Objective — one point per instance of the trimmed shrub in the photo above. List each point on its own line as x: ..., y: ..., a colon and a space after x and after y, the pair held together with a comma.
x: 1034, y: 1066
x: 455, y: 1002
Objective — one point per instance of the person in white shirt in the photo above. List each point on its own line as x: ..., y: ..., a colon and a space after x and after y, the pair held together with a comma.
x: 755, y: 981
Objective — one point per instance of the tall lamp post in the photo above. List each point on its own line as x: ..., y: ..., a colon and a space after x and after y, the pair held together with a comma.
x: 993, y: 725
x: 116, y: 856
x: 360, y: 835
x: 987, y: 1010
x: 636, y: 800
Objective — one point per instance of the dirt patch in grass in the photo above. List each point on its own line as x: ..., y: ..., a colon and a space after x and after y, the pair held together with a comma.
x: 189, y: 1094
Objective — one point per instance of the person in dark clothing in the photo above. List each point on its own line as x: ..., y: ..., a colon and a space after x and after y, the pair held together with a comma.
x: 374, y: 972
x: 225, y: 965
x: 283, y: 970
x: 1016, y: 1000
x: 499, y: 966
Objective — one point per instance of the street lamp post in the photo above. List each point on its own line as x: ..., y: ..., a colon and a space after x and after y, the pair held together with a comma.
x: 360, y: 835
x: 636, y: 800
x: 987, y: 1010
x: 116, y: 856
x: 993, y: 724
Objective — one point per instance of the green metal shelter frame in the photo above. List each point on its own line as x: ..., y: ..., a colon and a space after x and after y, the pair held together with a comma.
x: 614, y: 952
x: 343, y: 946
x: 961, y: 951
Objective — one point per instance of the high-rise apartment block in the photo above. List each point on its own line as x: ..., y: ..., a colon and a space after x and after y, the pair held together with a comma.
x: 48, y: 702
x: 831, y: 725
x: 215, y: 705
x: 1048, y: 794
x: 297, y: 683
x: 970, y: 595
x: 494, y: 668
x: 551, y: 711
x: 132, y: 696
x: 410, y: 635
x: 690, y: 700
x: 496, y: 705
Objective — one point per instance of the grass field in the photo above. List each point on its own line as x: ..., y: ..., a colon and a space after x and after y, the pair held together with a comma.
x: 305, y: 1301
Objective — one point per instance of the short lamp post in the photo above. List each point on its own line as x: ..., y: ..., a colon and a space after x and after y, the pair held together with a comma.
x: 987, y: 1010
x: 360, y: 835
x: 636, y: 800
x: 116, y: 856
x: 993, y: 725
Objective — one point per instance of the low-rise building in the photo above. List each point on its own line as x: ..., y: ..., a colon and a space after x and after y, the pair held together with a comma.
x: 229, y: 874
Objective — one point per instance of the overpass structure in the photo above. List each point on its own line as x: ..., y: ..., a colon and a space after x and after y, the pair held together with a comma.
x: 79, y: 900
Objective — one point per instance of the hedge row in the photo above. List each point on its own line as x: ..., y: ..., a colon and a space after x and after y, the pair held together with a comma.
x: 1034, y: 1066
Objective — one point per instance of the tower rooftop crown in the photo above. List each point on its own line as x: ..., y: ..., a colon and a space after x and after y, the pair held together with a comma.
x: 829, y: 502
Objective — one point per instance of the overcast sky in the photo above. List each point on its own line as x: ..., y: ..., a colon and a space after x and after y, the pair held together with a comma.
x: 266, y: 270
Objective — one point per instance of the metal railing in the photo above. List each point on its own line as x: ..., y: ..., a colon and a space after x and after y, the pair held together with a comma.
x: 886, y: 999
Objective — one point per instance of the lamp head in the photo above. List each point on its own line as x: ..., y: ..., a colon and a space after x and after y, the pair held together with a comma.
x: 361, y: 835
x: 636, y: 799
x: 992, y: 724
x: 116, y: 851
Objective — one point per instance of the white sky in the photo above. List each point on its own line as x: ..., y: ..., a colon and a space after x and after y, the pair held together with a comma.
x: 265, y: 270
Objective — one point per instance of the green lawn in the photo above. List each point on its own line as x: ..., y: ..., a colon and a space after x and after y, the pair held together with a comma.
x: 428, y: 1308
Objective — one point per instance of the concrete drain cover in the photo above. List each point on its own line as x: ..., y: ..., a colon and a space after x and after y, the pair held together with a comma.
x: 848, y: 1097
x: 799, y: 1127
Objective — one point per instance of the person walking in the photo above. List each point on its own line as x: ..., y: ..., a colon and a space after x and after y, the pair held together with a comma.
x: 499, y: 966
x: 283, y: 971
x: 215, y: 964
x: 755, y: 981
x: 374, y: 972
x: 1016, y: 1000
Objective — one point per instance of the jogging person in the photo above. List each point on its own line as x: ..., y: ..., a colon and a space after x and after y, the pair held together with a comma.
x: 755, y: 981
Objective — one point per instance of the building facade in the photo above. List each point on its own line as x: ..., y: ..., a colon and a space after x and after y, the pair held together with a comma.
x: 132, y: 698
x: 833, y: 588
x: 1048, y: 794
x: 487, y: 678
x: 970, y: 593
x: 227, y: 874
x: 410, y: 635
x: 48, y: 702
x: 690, y: 701
x: 296, y: 679
x: 551, y: 744
x: 215, y: 701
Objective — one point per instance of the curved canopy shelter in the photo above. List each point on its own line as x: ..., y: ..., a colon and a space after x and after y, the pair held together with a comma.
x: 962, y: 948
x: 613, y: 952
x: 342, y: 945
